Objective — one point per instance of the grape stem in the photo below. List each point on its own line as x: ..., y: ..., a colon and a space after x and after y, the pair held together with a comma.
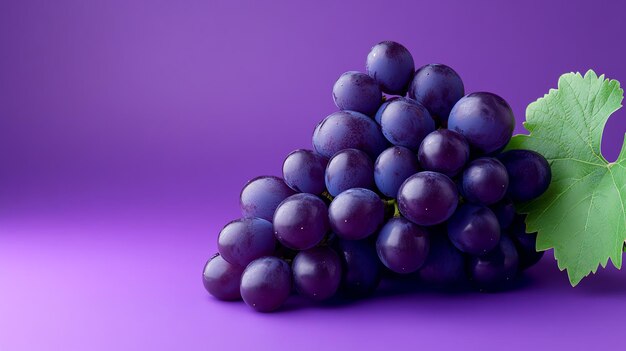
x: 327, y: 196
x: 392, y: 203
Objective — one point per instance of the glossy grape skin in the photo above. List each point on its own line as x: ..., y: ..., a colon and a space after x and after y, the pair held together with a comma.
x: 406, y: 123
x: 427, y: 198
x: 221, y: 279
x: 393, y: 166
x: 496, y: 269
x: 485, y: 120
x: 484, y: 181
x: 349, y: 168
x: 392, y: 66
x: 444, y: 151
x: 402, y: 246
x: 301, y: 221
x: 504, y: 211
x: 244, y: 240
x: 348, y: 130
x: 361, y: 272
x: 525, y: 243
x: 266, y: 283
x: 474, y: 229
x: 317, y: 273
x: 356, y: 91
x: 356, y: 214
x: 529, y: 174
x: 445, y: 265
x: 261, y: 195
x: 303, y: 171
x: 437, y: 87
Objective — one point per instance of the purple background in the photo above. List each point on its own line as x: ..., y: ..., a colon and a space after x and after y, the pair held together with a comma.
x: 128, y: 128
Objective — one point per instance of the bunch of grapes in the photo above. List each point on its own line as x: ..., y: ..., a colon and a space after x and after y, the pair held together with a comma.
x: 407, y: 178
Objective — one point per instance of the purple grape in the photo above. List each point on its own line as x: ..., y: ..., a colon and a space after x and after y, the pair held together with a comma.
x: 484, y: 181
x: 406, y: 123
x: 349, y: 168
x: 260, y: 196
x: 356, y: 214
x: 356, y: 91
x: 474, y: 229
x: 437, y: 87
x: 348, y: 130
x: 444, y: 266
x: 393, y: 166
x: 529, y: 174
x: 301, y: 221
x: 496, y: 269
x: 444, y: 151
x: 525, y: 243
x: 485, y: 120
x: 361, y: 273
x: 402, y: 246
x: 504, y: 211
x: 391, y: 65
x: 303, y: 171
x: 266, y: 283
x: 427, y: 198
x: 244, y: 240
x: 317, y: 273
x: 221, y: 279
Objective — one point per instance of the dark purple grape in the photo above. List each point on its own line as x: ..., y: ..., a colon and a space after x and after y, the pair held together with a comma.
x: 221, y: 279
x: 504, y: 211
x: 391, y: 65
x: 266, y: 283
x: 349, y: 168
x: 348, y: 130
x: 317, y: 273
x: 260, y: 196
x: 356, y: 91
x: 303, y: 171
x: 529, y: 174
x: 402, y: 246
x: 427, y: 198
x: 437, y: 87
x: 496, y: 269
x: 393, y: 166
x: 474, y: 229
x: 444, y: 151
x: 525, y: 243
x: 485, y: 120
x: 406, y: 123
x: 244, y: 240
x: 356, y: 213
x: 361, y: 273
x: 444, y: 266
x: 301, y: 221
x: 484, y: 181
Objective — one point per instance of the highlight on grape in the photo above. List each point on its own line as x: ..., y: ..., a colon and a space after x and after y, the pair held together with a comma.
x: 407, y: 178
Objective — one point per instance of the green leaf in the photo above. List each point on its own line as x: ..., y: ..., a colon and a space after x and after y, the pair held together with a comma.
x: 582, y: 214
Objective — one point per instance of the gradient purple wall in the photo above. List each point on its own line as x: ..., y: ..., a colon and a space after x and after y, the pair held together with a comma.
x: 127, y: 129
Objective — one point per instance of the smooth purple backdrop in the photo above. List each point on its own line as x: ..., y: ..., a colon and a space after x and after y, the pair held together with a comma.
x: 127, y: 129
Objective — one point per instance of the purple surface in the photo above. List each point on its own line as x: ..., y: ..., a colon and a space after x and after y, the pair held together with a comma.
x: 128, y: 128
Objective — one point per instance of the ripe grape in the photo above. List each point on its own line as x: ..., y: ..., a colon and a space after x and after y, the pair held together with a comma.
x: 260, y: 196
x: 361, y: 273
x: 406, y: 123
x: 444, y: 266
x: 356, y: 213
x: 301, y: 221
x: 485, y: 120
x: 266, y: 283
x: 402, y: 246
x: 427, y: 198
x: 504, y: 211
x: 391, y: 65
x: 529, y: 174
x: 303, y: 171
x: 496, y: 269
x: 484, y: 181
x: 474, y: 229
x: 221, y: 279
x: 393, y: 166
x: 356, y: 91
x: 437, y: 87
x: 524, y: 242
x: 317, y: 273
x: 444, y: 151
x: 349, y: 168
x: 244, y: 240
